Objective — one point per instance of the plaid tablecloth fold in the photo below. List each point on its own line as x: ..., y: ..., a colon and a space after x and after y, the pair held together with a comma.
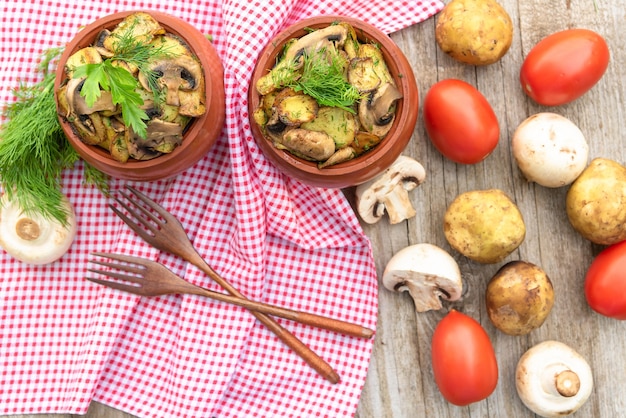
x: 65, y: 341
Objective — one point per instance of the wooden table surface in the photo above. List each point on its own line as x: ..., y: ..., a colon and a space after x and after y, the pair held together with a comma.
x: 400, y: 381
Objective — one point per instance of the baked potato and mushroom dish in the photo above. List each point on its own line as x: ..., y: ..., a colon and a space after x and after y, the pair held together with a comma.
x: 166, y: 90
x: 329, y: 98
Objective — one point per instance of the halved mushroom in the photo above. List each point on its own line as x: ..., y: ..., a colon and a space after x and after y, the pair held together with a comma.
x: 334, y: 35
x: 340, y: 156
x: 553, y: 380
x: 329, y: 38
x: 389, y: 191
x: 377, y: 111
x: 162, y: 137
x: 77, y: 103
x: 175, y: 75
x: 311, y: 145
x: 31, y: 238
x: 427, y: 272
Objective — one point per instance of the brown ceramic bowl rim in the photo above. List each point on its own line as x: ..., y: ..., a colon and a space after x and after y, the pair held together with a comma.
x: 171, y: 164
x: 368, y: 165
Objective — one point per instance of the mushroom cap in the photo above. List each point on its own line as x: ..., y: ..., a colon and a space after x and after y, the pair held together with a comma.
x: 550, y: 150
x: 545, y: 382
x: 31, y: 238
x: 389, y: 191
x: 427, y: 272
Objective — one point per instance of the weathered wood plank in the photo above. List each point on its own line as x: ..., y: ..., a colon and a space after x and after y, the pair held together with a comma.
x: 409, y: 391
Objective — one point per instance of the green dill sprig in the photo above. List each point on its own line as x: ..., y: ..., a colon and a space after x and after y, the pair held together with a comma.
x: 33, y: 148
x: 322, y: 77
x: 123, y: 86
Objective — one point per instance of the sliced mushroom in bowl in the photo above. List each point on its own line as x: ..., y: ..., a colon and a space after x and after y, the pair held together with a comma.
x: 166, y: 99
x: 370, y: 125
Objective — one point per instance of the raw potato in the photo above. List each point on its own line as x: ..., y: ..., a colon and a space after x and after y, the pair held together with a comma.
x: 484, y: 225
x: 595, y: 202
x: 476, y: 32
x: 519, y: 298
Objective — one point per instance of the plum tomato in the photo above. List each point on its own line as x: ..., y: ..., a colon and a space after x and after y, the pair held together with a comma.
x: 563, y: 66
x: 460, y: 121
x: 463, y: 359
x: 605, y: 282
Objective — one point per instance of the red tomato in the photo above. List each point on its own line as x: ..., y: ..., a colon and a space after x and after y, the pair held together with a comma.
x: 464, y: 362
x: 605, y: 282
x: 564, y: 66
x: 460, y: 122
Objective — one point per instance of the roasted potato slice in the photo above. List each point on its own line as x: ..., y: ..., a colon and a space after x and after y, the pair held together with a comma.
x: 380, y: 67
x: 297, y: 109
x: 337, y: 123
x: 365, y: 141
x: 362, y: 74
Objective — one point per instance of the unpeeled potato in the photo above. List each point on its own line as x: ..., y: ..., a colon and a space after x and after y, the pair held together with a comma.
x: 519, y: 298
x: 484, y: 225
x: 595, y: 202
x: 476, y: 32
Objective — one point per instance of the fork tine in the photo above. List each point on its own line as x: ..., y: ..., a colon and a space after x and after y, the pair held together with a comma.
x: 137, y: 205
x: 121, y: 257
x: 135, y: 224
x: 115, y: 285
x: 119, y: 276
x: 137, y: 268
x: 151, y: 203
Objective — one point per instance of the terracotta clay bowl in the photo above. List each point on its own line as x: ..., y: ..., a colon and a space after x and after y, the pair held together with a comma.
x: 374, y: 161
x: 199, y: 136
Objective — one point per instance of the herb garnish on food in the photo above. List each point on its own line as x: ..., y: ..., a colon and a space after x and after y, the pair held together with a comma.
x: 322, y: 77
x: 123, y: 86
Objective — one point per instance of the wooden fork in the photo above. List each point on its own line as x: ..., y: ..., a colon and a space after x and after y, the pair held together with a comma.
x: 150, y: 278
x: 166, y: 233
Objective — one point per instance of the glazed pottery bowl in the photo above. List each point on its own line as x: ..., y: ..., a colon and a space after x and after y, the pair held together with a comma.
x: 199, y: 136
x: 366, y: 166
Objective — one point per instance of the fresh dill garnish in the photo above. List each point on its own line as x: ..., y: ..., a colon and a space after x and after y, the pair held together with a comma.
x: 322, y: 77
x: 123, y: 86
x: 34, y: 149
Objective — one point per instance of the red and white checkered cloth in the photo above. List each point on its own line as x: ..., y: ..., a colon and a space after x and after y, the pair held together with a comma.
x: 65, y: 341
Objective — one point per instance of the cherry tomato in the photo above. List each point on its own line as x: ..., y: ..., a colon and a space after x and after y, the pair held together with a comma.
x: 464, y: 362
x: 605, y: 282
x: 460, y: 121
x: 564, y: 66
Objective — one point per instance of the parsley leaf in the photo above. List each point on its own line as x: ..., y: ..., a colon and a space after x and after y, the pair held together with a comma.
x: 123, y: 87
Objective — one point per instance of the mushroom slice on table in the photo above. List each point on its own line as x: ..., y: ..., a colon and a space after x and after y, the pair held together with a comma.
x: 389, y: 191
x: 427, y: 272
x: 553, y: 380
x: 32, y: 238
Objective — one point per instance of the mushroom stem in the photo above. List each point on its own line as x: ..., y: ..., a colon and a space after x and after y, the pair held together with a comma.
x: 398, y: 204
x: 27, y: 229
x: 559, y: 380
x: 567, y: 383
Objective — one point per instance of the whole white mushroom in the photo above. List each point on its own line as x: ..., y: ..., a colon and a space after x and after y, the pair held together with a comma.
x: 550, y: 150
x: 553, y: 380
x: 32, y: 238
